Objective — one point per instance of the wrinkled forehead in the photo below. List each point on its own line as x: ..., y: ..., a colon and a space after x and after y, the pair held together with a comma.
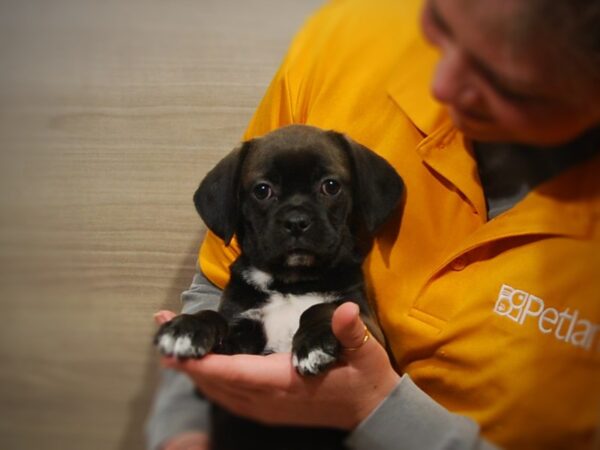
x: 290, y: 161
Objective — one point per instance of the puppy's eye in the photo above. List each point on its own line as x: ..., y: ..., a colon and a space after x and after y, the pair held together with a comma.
x: 262, y: 191
x: 330, y: 187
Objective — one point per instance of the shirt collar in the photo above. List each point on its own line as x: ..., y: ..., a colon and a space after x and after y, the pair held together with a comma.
x: 568, y: 204
x: 409, y: 86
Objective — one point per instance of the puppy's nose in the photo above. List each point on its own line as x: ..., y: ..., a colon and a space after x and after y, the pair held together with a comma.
x: 297, y: 223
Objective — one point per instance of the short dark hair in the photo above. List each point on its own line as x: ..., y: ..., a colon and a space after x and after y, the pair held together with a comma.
x: 573, y: 26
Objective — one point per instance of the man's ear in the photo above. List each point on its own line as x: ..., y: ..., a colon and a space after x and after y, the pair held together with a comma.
x: 217, y: 197
x: 378, y: 189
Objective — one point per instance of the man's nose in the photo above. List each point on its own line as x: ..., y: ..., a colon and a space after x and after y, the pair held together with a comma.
x: 451, y: 82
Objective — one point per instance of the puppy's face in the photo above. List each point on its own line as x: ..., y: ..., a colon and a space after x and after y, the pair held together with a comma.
x: 298, y: 198
x: 296, y: 201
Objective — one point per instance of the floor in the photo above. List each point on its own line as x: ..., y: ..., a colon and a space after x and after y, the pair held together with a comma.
x: 110, y: 114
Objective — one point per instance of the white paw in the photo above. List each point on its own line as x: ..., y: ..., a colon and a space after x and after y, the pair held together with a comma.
x: 313, y: 363
x: 180, y: 347
x: 166, y: 343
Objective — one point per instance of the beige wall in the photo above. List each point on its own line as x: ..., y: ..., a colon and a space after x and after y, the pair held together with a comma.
x: 110, y: 113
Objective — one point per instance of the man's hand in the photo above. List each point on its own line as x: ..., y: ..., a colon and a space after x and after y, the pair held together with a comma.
x: 269, y: 390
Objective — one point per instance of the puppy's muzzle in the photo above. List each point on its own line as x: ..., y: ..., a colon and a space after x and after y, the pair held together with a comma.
x: 296, y: 223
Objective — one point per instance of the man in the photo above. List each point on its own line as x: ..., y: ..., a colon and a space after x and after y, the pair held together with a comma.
x: 488, y: 294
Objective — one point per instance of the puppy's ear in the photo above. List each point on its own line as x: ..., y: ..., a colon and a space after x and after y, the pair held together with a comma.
x: 378, y: 188
x: 217, y: 197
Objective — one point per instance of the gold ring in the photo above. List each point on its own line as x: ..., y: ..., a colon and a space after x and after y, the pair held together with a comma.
x: 364, y: 341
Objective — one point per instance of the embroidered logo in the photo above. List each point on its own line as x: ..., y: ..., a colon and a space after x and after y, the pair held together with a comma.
x: 566, y: 326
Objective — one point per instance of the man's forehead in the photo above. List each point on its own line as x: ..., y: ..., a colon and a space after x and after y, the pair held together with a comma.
x: 489, y: 32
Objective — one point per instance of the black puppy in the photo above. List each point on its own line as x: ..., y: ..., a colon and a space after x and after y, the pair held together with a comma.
x: 304, y: 204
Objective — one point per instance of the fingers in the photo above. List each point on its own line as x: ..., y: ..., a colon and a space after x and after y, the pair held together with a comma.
x: 349, y: 328
x: 163, y: 316
x: 241, y: 383
x: 225, y: 394
x: 252, y: 372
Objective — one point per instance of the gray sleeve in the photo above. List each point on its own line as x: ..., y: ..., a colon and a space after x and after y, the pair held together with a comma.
x: 176, y: 408
x: 410, y: 419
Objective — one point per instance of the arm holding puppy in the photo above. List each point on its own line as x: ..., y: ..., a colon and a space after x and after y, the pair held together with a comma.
x: 382, y: 410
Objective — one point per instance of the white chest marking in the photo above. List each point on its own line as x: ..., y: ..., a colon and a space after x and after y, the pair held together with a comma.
x: 257, y: 278
x: 281, y: 317
x: 281, y: 314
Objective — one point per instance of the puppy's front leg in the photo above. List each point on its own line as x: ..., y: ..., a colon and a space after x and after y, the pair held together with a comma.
x: 192, y: 335
x: 246, y: 335
x: 314, y: 347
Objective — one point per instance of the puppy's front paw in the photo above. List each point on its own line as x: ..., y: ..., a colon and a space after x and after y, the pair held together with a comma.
x: 315, y: 362
x: 312, y: 355
x: 191, y: 335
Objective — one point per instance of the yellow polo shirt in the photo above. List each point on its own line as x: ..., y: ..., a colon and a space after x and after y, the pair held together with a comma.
x: 496, y: 320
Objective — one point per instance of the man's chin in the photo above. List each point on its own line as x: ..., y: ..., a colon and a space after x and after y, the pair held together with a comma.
x: 477, y: 128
